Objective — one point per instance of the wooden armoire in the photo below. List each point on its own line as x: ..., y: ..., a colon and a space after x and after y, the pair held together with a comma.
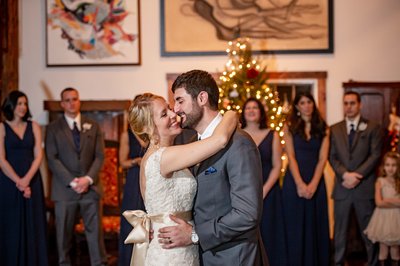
x: 378, y: 99
x: 9, y: 47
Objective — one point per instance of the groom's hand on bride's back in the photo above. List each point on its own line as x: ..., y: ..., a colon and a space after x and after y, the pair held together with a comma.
x: 175, y: 236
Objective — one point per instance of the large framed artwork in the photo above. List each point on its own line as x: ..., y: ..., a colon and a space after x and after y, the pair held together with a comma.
x: 92, y: 32
x: 204, y: 27
x: 287, y: 83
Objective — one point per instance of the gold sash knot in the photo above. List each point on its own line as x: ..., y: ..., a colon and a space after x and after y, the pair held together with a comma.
x: 139, y: 236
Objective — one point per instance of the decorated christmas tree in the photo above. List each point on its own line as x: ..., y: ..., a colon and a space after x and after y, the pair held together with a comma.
x: 244, y: 77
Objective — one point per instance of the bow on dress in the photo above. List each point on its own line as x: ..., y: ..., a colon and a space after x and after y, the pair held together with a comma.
x: 139, y: 236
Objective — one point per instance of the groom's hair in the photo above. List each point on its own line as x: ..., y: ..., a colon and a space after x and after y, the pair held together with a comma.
x: 196, y: 81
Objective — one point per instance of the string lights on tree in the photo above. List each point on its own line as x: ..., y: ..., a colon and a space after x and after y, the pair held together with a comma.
x: 244, y: 77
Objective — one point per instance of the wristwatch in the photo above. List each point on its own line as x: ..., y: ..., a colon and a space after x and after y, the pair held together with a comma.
x: 195, y: 237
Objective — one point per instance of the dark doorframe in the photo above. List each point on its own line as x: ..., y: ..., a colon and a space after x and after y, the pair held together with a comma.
x: 9, y: 47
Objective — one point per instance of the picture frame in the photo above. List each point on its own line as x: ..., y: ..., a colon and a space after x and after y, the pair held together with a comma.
x: 316, y: 80
x: 92, y: 33
x: 203, y: 27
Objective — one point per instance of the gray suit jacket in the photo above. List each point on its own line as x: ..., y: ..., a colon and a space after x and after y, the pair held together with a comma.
x: 228, y: 204
x: 66, y: 163
x: 362, y: 158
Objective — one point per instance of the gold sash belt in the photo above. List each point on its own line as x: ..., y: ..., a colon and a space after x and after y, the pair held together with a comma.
x: 139, y: 236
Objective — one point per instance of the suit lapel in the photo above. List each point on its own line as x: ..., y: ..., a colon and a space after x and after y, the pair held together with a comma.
x: 358, y: 132
x: 83, y: 132
x: 193, y: 169
x: 344, y: 138
x: 199, y: 168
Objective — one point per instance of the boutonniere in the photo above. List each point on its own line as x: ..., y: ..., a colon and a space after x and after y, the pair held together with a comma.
x: 86, y: 127
x: 362, y: 126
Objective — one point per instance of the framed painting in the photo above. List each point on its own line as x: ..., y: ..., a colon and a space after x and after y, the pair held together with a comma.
x: 204, y: 27
x: 287, y: 83
x: 92, y: 33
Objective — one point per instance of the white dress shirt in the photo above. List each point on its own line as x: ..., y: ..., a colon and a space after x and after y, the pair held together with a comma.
x: 354, y: 122
x: 70, y: 121
x: 211, y: 127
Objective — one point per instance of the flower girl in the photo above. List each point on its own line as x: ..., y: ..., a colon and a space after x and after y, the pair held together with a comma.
x: 384, y: 226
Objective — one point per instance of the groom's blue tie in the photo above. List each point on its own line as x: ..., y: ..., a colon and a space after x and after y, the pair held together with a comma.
x: 76, y: 136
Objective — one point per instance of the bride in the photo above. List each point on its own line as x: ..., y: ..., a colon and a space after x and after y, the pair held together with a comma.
x: 167, y: 186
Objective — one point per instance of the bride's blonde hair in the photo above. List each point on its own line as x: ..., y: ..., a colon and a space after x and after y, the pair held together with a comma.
x: 141, y: 115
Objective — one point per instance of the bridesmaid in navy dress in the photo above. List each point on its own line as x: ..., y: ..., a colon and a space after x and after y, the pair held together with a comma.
x: 254, y: 122
x: 130, y: 155
x: 22, y: 208
x: 303, y: 192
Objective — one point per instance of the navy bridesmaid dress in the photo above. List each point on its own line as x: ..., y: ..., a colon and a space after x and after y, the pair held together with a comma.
x: 272, y: 227
x: 306, y: 221
x: 23, y: 234
x: 132, y: 200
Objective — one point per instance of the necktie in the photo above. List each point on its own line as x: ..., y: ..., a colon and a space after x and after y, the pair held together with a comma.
x: 351, y: 134
x: 76, y: 136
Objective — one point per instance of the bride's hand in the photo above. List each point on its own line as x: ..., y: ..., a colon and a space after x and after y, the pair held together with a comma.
x: 175, y: 236
x: 227, y: 126
x: 151, y: 234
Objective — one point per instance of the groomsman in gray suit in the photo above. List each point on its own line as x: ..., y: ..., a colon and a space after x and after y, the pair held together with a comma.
x: 75, y: 153
x: 355, y: 151
x: 228, y: 205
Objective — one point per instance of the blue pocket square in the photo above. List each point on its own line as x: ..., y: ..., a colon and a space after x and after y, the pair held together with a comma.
x: 210, y: 170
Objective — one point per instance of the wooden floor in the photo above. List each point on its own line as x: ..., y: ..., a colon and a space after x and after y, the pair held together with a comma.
x: 80, y: 254
x: 353, y: 259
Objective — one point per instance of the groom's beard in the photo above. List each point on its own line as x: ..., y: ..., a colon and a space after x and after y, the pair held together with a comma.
x: 193, y: 119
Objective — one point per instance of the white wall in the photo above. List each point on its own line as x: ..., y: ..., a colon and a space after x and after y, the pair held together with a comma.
x: 367, y: 48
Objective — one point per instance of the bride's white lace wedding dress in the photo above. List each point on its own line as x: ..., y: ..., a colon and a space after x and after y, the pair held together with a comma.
x: 168, y: 196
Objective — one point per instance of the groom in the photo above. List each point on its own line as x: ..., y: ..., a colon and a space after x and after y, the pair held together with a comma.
x: 228, y: 205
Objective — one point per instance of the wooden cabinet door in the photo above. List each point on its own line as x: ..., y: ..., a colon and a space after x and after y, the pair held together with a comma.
x: 378, y: 99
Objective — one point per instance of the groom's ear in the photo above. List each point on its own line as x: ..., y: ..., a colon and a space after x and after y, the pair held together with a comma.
x: 202, y: 98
